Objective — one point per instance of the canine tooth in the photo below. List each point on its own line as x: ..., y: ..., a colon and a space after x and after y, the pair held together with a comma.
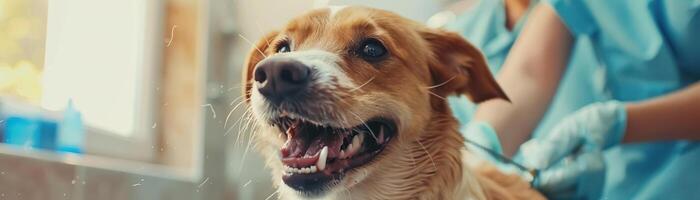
x: 381, y: 135
x: 321, y: 162
x: 356, y: 142
x: 342, y: 154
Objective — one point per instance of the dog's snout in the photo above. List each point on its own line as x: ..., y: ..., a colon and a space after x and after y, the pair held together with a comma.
x: 281, y: 78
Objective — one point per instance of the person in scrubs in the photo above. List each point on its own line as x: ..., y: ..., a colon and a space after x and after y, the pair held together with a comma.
x: 633, y: 133
x: 493, y: 26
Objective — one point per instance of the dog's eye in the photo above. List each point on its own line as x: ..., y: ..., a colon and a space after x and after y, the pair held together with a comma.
x: 283, y: 47
x: 372, y: 49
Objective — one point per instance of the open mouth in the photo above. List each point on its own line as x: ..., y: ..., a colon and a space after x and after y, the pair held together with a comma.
x: 315, y: 157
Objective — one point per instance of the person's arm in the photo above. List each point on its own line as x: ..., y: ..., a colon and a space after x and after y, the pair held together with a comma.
x: 672, y: 117
x: 530, y: 77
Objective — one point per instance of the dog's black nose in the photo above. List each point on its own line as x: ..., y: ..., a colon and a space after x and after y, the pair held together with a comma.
x: 281, y: 78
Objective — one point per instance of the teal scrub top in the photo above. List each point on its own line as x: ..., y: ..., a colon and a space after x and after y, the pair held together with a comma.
x: 649, y: 48
x: 625, y: 50
x: 484, y: 26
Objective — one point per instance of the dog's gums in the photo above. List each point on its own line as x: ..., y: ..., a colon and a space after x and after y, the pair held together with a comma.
x: 314, y: 156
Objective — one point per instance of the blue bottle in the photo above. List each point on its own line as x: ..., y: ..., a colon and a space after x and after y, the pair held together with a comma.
x: 71, y: 134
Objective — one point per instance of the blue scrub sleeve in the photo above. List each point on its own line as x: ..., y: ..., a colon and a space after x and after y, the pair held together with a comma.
x: 575, y: 14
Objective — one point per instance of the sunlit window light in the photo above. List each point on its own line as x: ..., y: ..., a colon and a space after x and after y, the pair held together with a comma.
x: 96, y: 61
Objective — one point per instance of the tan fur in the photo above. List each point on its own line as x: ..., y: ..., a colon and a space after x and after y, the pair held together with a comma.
x: 427, y: 158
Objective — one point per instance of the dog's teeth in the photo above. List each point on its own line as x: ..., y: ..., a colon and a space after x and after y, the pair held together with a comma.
x: 305, y: 170
x: 381, y: 135
x: 321, y: 162
x: 342, y: 154
x: 355, y: 140
x: 313, y: 169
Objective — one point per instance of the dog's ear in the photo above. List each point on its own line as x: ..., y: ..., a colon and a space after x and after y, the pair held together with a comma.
x: 256, y: 54
x: 458, y: 67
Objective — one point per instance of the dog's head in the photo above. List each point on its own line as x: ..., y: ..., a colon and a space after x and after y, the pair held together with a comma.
x: 337, y: 90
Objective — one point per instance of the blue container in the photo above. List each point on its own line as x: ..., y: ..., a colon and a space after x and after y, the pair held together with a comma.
x: 2, y: 130
x: 29, y: 132
x: 20, y: 130
x: 46, y: 137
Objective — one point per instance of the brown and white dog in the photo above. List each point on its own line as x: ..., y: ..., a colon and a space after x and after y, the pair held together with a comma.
x: 350, y: 104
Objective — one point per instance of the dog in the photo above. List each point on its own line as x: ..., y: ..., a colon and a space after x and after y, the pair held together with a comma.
x: 349, y: 103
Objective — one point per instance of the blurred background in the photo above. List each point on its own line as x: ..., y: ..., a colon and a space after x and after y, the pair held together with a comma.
x: 133, y: 99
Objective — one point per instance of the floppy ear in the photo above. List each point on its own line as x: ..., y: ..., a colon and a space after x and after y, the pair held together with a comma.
x: 256, y: 54
x: 458, y: 67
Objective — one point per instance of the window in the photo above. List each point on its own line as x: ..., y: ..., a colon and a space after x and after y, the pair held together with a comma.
x: 95, y: 56
x: 103, y: 55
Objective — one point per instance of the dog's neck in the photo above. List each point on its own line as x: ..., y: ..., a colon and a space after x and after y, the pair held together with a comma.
x: 431, y: 167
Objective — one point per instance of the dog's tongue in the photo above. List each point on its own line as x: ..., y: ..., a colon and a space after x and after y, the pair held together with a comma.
x: 304, y: 142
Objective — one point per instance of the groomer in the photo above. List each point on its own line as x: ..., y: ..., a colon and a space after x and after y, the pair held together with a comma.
x: 636, y: 136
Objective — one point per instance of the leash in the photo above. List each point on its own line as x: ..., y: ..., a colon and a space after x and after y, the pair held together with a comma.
x: 534, y: 173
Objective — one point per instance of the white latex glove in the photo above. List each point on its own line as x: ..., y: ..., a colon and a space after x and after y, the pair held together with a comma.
x: 570, y: 158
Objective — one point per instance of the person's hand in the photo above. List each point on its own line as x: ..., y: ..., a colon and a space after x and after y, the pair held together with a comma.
x: 570, y: 158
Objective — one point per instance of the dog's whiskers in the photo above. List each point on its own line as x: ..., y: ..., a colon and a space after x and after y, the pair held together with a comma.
x: 358, y: 87
x: 428, y: 153
x: 236, y: 99
x: 253, y: 45
x: 247, y: 114
x: 436, y: 95
x: 261, y: 32
x: 365, y: 124
x: 273, y: 194
x: 247, y: 148
x: 232, y: 110
x: 441, y: 84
